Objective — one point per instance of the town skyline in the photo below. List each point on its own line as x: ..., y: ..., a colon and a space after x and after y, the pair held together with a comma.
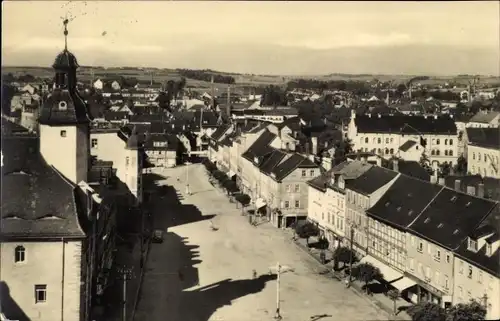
x: 382, y: 38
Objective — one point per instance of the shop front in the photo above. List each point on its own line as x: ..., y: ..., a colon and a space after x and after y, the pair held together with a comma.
x: 423, y: 292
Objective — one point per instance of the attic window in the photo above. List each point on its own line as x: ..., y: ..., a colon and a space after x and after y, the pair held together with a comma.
x: 427, y: 220
x: 468, y: 203
x: 440, y: 225
x: 410, y: 194
x: 472, y: 245
x: 453, y: 199
x: 387, y: 204
x: 398, y: 209
x: 455, y: 232
x: 63, y: 133
x: 63, y: 105
x: 410, y: 212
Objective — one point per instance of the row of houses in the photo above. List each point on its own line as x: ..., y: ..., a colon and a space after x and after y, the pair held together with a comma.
x: 433, y: 240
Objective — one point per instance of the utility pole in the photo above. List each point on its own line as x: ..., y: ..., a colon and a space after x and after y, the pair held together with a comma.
x: 351, y: 256
x: 279, y: 270
x: 188, y: 192
x: 126, y: 275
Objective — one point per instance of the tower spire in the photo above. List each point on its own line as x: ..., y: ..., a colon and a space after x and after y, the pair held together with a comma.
x: 65, y: 23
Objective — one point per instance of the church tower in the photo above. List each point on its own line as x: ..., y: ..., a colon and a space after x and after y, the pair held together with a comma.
x: 64, y: 121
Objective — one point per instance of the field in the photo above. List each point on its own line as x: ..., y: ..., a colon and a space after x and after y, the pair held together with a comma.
x: 242, y: 80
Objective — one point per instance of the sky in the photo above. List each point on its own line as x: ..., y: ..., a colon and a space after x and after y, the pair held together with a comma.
x: 224, y: 35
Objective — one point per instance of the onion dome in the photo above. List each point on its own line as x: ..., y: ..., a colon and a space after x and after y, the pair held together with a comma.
x: 65, y: 60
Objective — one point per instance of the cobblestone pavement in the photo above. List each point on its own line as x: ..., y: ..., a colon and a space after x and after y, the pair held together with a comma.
x: 204, y: 268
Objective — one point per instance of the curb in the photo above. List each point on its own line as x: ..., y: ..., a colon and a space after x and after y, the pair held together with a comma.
x: 375, y: 303
x: 141, y: 276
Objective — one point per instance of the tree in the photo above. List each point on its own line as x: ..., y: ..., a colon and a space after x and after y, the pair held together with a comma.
x: 461, y: 166
x: 426, y: 311
x: 444, y: 169
x: 426, y: 163
x: 466, y: 311
x: 393, y: 294
x: 164, y: 101
x: 343, y: 254
x: 181, y: 84
x: 8, y: 78
x: 342, y: 149
x: 306, y: 230
x: 365, y: 272
x: 273, y: 96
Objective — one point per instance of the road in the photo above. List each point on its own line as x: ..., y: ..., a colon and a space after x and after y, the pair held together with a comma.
x: 198, y: 274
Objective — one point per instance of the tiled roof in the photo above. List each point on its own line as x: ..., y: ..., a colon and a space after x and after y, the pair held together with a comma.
x: 405, y: 124
x: 451, y: 217
x: 371, y: 180
x: 217, y: 134
x: 272, y: 161
x: 490, y: 263
x: 404, y: 201
x: 407, y: 145
x: 38, y: 202
x: 491, y: 185
x: 484, y: 137
x: 260, y: 147
x: 484, y: 117
x: 409, y: 168
x: 288, y: 166
x: 293, y: 123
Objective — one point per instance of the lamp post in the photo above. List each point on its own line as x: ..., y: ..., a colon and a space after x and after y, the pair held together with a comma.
x: 188, y: 192
x: 352, y: 226
x: 279, y: 270
x: 126, y: 275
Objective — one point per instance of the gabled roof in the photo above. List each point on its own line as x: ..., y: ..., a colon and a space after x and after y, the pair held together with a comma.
x: 484, y: 137
x: 405, y: 124
x: 39, y: 202
x: 450, y: 217
x: 484, y: 117
x: 404, y: 201
x: 407, y: 145
x: 371, y: 180
x: 260, y: 147
x: 272, y: 161
x: 288, y: 166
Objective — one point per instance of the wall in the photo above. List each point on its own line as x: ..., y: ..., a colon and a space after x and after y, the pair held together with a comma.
x: 387, y: 244
x: 44, y: 265
x: 433, y: 257
x: 477, y: 163
x: 289, y: 193
x: 475, y: 287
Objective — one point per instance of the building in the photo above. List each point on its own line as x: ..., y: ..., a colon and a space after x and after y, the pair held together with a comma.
x: 98, y: 84
x: 434, y: 136
x: 326, y: 200
x: 388, y: 220
x: 434, y: 236
x: 52, y: 266
x: 361, y: 194
x: 276, y: 116
x: 116, y: 85
x: 483, y: 151
x: 161, y: 149
x: 485, y: 119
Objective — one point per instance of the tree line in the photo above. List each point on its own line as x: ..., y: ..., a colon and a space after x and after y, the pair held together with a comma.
x: 206, y: 75
x: 356, y: 87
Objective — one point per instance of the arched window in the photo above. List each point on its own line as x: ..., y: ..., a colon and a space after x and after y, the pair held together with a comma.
x: 450, y: 153
x: 379, y: 151
x: 433, y: 152
x: 392, y: 140
x: 473, y: 155
x: 438, y: 152
x: 392, y: 151
x: 379, y: 140
x: 437, y: 141
x: 479, y: 156
x: 387, y: 140
x: 446, y: 152
x: 387, y: 151
x: 19, y: 254
x: 446, y: 142
x: 366, y: 140
x: 451, y: 142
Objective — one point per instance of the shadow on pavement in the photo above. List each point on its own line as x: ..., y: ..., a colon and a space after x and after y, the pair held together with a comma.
x: 8, y: 306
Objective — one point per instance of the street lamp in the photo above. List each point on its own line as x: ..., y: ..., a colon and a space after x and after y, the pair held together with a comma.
x: 352, y: 226
x: 126, y: 275
x: 279, y: 270
x: 188, y: 192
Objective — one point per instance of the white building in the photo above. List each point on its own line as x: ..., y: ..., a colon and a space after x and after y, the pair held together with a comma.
x: 98, y: 84
x: 485, y: 119
x: 483, y: 151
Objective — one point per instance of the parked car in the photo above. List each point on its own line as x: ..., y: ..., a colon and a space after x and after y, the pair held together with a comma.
x: 157, y: 236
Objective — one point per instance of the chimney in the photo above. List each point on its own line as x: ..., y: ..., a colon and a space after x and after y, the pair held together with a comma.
x: 433, y: 179
x: 379, y: 161
x: 441, y: 181
x: 457, y: 185
x: 307, y: 148
x: 480, y: 190
x: 395, y: 165
x: 471, y: 190
x: 314, y: 141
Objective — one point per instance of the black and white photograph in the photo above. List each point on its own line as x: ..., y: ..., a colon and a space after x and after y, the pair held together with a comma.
x: 250, y: 161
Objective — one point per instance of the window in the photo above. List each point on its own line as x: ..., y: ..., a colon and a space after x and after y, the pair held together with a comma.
x: 437, y: 141
x: 469, y: 275
x: 63, y: 105
x: 473, y: 155
x: 451, y: 142
x: 446, y: 284
x: 446, y: 152
x: 447, y: 258
x: 379, y: 141
x: 460, y: 292
x: 387, y: 140
x: 479, y: 156
x: 297, y: 188
x: 488, y: 249
x: 19, y: 254
x: 480, y: 277
x: 63, y: 133
x: 303, y: 173
x: 438, y: 255
x: 366, y: 140
x: 297, y: 204
x: 288, y: 188
x: 287, y: 204
x: 461, y: 267
x: 94, y: 142
x: 446, y: 142
x: 472, y: 245
x: 436, y: 278
x: 127, y: 161
x: 311, y: 172
x: 392, y: 151
x: 420, y: 247
x: 40, y: 293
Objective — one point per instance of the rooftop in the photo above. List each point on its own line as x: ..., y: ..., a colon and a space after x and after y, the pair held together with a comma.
x: 289, y: 165
x: 371, y: 180
x: 405, y: 124
x: 484, y: 137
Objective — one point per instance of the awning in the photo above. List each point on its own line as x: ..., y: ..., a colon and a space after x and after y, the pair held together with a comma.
x: 403, y: 284
x: 231, y: 174
x: 389, y: 273
x: 260, y: 203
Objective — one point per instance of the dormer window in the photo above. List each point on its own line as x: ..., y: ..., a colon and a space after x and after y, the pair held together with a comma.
x: 472, y: 245
x: 63, y: 105
x: 19, y: 254
x: 488, y: 249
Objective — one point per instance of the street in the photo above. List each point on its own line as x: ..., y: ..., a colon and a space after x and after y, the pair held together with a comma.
x: 200, y: 274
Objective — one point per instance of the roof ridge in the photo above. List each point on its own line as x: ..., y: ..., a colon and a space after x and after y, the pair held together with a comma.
x: 428, y: 204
